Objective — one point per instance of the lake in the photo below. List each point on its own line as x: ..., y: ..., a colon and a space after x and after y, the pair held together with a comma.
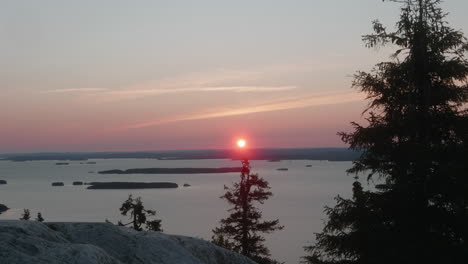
x: 299, y: 195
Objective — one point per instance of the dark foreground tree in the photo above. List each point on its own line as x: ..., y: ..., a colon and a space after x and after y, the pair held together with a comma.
x: 415, y: 149
x: 138, y: 215
x: 26, y: 215
x: 39, y: 217
x: 242, y: 230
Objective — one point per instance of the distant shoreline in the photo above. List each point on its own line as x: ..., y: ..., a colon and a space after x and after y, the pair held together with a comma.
x: 330, y: 154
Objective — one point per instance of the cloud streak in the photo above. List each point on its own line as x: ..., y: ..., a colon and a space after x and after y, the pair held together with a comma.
x: 291, y: 103
x: 135, y: 93
x: 236, y: 81
x: 76, y: 90
x: 238, y: 89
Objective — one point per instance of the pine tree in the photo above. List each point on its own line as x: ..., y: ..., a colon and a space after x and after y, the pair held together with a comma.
x: 241, y: 230
x: 39, y: 217
x: 138, y: 215
x: 415, y: 147
x: 26, y: 215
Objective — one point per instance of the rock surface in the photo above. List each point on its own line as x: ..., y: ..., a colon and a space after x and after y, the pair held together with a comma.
x: 28, y: 242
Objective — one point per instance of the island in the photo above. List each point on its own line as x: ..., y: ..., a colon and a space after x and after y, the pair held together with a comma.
x: 77, y: 183
x: 57, y: 184
x: 282, y: 169
x: 3, y: 208
x: 132, y: 185
x: 3, y: 182
x: 173, y: 170
x: 62, y: 163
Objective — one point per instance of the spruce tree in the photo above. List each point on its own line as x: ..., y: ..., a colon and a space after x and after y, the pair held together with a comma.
x: 26, y: 215
x: 242, y: 230
x: 39, y: 217
x: 415, y: 149
x: 138, y: 215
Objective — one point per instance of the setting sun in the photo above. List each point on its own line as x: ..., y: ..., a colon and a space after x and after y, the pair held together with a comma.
x: 241, y: 143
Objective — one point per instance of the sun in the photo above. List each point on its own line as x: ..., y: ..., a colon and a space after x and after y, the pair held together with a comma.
x: 241, y: 143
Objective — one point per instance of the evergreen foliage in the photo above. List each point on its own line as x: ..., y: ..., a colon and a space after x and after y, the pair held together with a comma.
x: 39, y: 217
x: 26, y: 215
x: 241, y: 230
x: 138, y: 215
x: 415, y: 147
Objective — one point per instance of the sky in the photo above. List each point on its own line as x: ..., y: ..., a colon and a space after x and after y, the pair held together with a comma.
x: 117, y: 75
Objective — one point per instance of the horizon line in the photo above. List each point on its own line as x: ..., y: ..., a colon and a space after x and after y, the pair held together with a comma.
x: 165, y: 150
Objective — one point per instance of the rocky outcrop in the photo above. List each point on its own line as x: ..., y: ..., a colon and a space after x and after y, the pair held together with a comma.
x: 3, y: 182
x: 28, y: 242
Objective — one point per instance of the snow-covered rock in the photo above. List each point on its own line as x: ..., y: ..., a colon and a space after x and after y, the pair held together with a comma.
x: 29, y: 242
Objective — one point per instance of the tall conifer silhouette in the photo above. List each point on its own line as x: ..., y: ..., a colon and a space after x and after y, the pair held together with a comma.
x: 242, y: 230
x: 415, y: 147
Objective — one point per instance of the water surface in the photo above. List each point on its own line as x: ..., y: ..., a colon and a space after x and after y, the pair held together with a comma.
x: 299, y: 195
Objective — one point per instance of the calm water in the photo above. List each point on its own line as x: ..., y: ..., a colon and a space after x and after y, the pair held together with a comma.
x: 299, y: 195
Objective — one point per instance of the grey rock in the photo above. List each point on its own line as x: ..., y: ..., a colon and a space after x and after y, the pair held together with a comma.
x: 28, y: 242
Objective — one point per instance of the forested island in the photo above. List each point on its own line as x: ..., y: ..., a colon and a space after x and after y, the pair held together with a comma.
x: 172, y: 170
x: 132, y: 185
x: 3, y: 208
